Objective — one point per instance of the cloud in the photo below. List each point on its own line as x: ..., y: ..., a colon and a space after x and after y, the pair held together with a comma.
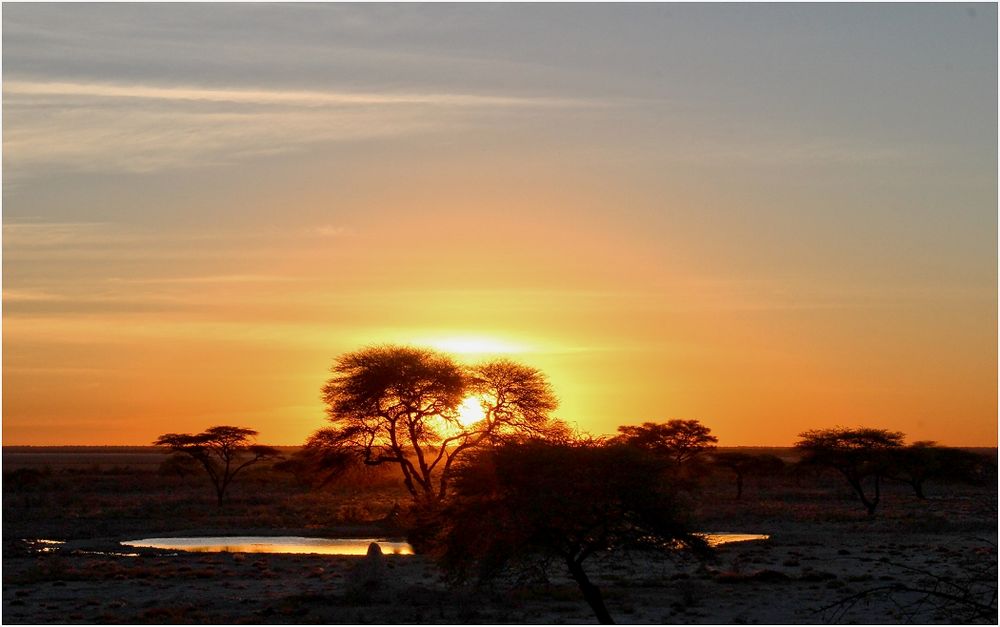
x: 211, y: 279
x: 143, y: 128
x: 83, y: 237
x: 44, y: 234
x: 276, y: 97
x: 30, y: 296
x: 144, y: 327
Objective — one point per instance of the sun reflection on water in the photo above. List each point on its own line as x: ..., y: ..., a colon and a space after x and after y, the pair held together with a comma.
x: 279, y: 544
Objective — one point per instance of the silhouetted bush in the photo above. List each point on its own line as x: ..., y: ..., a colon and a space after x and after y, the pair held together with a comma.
x: 527, y: 504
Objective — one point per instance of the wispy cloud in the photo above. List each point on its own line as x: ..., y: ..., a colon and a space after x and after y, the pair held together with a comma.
x: 19, y: 237
x: 282, y: 97
x: 30, y: 296
x: 211, y: 279
x: 30, y: 234
x: 143, y: 128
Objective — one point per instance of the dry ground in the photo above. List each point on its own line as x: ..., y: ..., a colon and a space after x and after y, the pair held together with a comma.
x: 822, y: 551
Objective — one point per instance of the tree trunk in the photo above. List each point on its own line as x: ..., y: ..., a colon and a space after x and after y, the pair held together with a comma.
x: 408, y: 480
x: 859, y: 489
x: 871, y: 504
x: 591, y: 593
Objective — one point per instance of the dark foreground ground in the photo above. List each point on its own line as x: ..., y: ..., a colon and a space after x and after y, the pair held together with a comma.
x: 921, y: 561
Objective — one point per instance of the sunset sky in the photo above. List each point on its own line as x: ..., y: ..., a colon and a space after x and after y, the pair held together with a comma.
x: 769, y: 218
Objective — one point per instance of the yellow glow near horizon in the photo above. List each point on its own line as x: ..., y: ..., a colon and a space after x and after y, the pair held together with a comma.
x: 471, y: 411
x: 472, y: 345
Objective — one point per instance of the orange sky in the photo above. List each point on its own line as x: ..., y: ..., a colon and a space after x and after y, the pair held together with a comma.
x: 185, y: 248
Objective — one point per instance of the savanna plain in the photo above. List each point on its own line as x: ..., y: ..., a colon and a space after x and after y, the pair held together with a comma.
x: 925, y: 560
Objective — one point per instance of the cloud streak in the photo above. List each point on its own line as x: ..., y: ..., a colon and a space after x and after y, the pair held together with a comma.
x: 83, y: 126
x: 277, y: 97
x: 44, y: 234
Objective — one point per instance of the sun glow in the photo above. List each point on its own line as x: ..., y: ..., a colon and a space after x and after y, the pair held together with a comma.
x: 472, y: 345
x: 471, y: 411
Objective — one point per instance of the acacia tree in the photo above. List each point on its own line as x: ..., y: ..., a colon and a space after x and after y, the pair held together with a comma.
x: 921, y: 461
x: 525, y: 503
x: 679, y: 441
x: 916, y: 463
x: 398, y: 405
x: 223, y: 452
x: 858, y: 454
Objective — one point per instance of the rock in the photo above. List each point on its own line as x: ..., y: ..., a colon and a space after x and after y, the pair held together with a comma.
x: 370, y: 573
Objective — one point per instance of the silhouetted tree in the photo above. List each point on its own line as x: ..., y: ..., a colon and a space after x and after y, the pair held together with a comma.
x: 222, y: 451
x: 916, y: 463
x: 537, y: 500
x: 922, y: 461
x: 398, y: 405
x: 857, y: 454
x: 743, y: 464
x: 679, y: 441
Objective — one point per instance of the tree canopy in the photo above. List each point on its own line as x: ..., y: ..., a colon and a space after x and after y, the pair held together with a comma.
x: 399, y: 405
x: 676, y: 440
x: 223, y: 452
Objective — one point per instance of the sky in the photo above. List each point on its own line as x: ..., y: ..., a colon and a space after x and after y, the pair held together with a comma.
x: 769, y: 218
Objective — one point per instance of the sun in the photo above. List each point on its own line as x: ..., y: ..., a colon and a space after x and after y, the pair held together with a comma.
x: 470, y: 411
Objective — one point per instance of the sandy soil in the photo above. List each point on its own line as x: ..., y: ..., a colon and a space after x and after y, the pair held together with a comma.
x: 789, y: 579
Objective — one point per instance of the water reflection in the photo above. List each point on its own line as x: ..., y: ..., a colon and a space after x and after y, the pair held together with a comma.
x: 274, y: 544
x: 337, y: 546
x: 719, y: 538
x: 44, y: 546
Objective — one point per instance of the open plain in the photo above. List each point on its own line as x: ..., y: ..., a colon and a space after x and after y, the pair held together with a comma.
x: 927, y: 561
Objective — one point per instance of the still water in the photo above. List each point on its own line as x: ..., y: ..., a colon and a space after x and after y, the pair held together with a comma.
x: 333, y: 546
x: 726, y: 537
x: 274, y: 544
